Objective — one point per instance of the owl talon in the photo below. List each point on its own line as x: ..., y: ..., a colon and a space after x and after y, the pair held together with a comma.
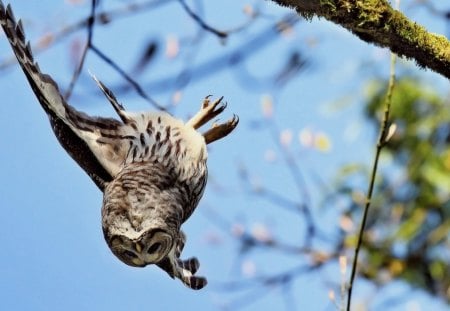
x: 219, y: 131
x: 207, y: 112
x: 194, y: 282
x: 185, y: 270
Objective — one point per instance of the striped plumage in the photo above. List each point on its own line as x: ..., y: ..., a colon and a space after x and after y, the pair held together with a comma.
x: 150, y: 166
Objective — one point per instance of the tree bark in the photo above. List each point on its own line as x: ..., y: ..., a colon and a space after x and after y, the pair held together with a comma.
x: 375, y: 21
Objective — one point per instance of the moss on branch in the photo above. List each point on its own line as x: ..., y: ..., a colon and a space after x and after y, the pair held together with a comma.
x: 375, y: 21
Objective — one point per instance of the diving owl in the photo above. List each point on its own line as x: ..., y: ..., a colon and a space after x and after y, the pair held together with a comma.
x: 150, y: 166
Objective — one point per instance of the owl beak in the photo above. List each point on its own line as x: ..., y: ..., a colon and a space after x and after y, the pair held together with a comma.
x: 138, y: 247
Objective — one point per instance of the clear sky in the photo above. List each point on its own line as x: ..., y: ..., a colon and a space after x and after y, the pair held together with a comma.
x: 53, y: 254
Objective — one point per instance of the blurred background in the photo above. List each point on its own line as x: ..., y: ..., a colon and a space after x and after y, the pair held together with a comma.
x: 277, y: 226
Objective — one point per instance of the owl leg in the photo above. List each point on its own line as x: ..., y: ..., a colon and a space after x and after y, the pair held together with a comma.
x: 219, y: 131
x: 190, y: 264
x: 207, y: 112
x: 180, y: 244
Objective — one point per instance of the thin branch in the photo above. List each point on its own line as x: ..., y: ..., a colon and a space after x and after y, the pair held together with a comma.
x: 201, y: 23
x: 270, y: 280
x: 294, y: 169
x: 130, y: 80
x: 90, y: 46
x: 266, y: 193
x: 301, y: 185
x: 382, y: 139
x: 248, y: 240
x: 101, y: 18
x: 221, y: 62
x: 90, y: 33
x: 312, y: 231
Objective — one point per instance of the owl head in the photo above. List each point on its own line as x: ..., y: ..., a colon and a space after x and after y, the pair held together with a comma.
x: 150, y: 247
x: 141, y: 224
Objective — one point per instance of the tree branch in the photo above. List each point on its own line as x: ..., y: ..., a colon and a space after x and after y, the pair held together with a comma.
x: 376, y: 22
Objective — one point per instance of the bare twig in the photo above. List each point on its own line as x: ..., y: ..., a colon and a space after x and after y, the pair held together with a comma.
x: 100, y: 18
x: 302, y: 188
x: 90, y: 46
x: 201, y: 22
x: 90, y: 32
x: 382, y: 139
x: 222, y: 62
x: 130, y: 80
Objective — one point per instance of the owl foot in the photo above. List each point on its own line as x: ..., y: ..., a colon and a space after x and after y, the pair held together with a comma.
x: 207, y: 112
x: 219, y: 131
x: 185, y: 272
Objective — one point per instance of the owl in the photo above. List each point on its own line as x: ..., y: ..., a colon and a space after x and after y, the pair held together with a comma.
x: 150, y: 166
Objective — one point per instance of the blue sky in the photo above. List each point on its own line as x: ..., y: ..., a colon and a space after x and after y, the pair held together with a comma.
x: 53, y: 254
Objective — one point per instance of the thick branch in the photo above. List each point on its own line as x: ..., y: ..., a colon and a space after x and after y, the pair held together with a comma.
x: 375, y: 21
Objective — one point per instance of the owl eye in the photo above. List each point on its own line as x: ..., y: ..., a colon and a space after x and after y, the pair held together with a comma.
x: 154, y: 248
x: 129, y: 254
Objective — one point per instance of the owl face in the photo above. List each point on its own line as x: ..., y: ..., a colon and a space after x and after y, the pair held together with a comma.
x: 150, y: 248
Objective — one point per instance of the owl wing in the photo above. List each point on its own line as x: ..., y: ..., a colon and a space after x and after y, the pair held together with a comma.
x: 93, y: 142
